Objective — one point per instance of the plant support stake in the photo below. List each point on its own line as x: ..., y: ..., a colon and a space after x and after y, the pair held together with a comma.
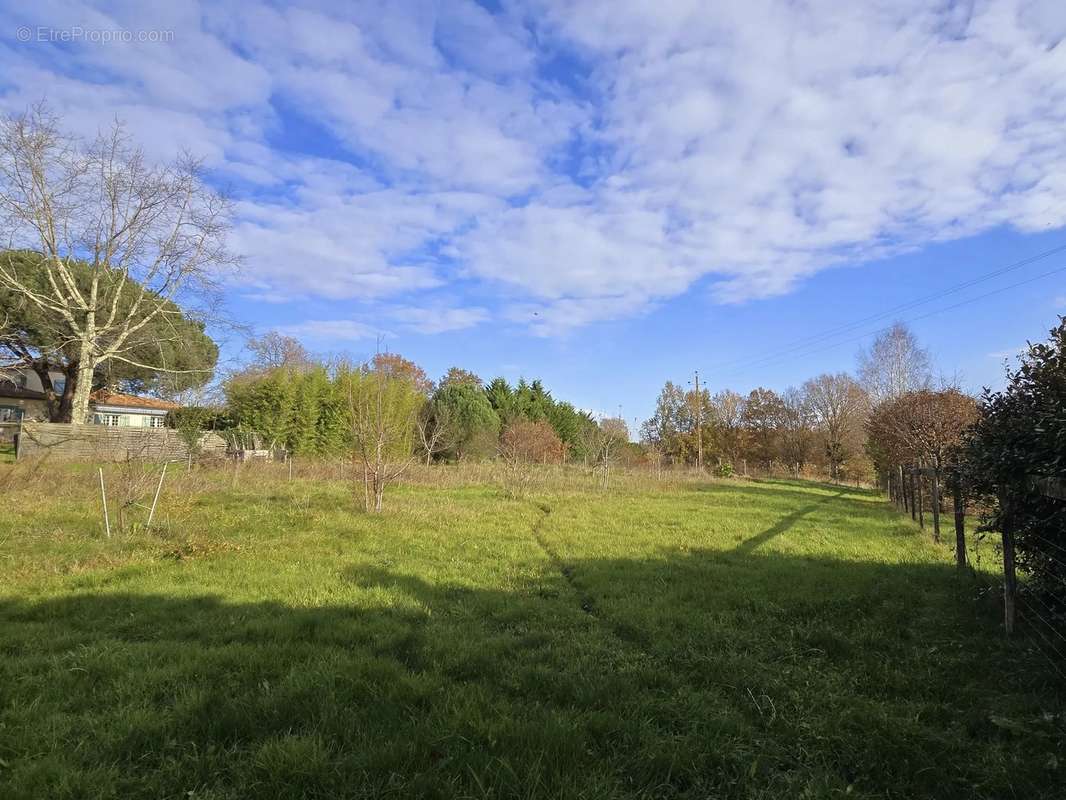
x: 103, y: 498
x: 155, y: 499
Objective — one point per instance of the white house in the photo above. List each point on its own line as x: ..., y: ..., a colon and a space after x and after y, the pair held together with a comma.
x: 22, y: 398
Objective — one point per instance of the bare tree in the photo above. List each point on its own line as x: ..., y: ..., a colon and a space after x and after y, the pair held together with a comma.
x: 894, y: 365
x: 435, y: 430
x: 728, y: 409
x: 524, y: 443
x: 838, y: 405
x: 613, y: 435
x: 796, y: 429
x: 123, y: 243
x: 273, y: 350
x: 382, y: 412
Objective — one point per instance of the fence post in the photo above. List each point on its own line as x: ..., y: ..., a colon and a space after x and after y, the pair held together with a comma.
x: 914, y: 511
x: 921, y: 502
x: 960, y: 521
x: 936, y: 504
x: 1010, y: 579
x: 902, y: 488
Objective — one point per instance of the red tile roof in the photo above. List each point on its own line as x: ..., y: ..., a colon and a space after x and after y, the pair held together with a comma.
x: 104, y: 397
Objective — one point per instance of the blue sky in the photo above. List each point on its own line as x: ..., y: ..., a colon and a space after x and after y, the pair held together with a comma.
x: 604, y: 194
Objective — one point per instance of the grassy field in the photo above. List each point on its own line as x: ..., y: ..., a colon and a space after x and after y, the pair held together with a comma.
x: 726, y: 639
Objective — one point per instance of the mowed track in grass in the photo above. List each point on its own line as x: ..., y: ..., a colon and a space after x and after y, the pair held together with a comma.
x: 726, y: 639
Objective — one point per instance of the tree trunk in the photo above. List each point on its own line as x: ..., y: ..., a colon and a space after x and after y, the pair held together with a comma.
x: 66, y: 400
x: 79, y: 410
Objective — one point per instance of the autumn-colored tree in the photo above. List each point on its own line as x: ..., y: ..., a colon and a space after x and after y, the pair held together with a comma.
x: 396, y: 366
x: 727, y: 408
x: 531, y: 442
x: 838, y: 406
x: 923, y: 426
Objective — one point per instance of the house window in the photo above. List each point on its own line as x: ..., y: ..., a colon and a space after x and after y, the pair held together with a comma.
x: 112, y: 420
x: 10, y: 413
x: 59, y: 384
x: 155, y: 422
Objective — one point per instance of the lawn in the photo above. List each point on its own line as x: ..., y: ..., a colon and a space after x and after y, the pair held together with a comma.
x: 719, y: 639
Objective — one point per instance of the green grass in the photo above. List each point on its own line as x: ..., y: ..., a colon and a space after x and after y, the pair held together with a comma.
x: 7, y: 453
x: 769, y: 640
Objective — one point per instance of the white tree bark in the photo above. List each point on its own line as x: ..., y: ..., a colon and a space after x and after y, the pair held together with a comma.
x: 122, y: 242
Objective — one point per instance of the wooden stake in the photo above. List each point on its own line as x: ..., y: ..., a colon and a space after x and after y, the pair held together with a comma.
x: 936, y: 504
x: 960, y: 522
x: 1010, y: 579
x: 155, y: 499
x: 903, y: 489
x: 914, y: 510
x: 103, y: 498
x: 921, y: 503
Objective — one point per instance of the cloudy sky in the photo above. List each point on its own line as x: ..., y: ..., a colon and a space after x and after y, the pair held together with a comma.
x: 605, y: 194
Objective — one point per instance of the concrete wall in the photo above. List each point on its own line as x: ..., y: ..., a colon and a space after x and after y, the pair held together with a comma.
x: 103, y: 443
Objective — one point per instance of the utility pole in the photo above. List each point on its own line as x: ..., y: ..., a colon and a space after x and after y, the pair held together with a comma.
x: 699, y: 424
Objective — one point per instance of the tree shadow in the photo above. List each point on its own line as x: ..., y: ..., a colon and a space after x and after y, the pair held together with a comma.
x: 730, y: 674
x: 784, y: 524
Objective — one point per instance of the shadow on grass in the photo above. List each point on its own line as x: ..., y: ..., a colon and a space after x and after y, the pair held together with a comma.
x: 730, y: 674
x: 784, y: 524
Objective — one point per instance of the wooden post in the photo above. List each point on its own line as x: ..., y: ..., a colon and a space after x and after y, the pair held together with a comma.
x: 921, y: 504
x: 287, y: 458
x: 936, y: 504
x: 914, y: 491
x: 155, y: 499
x: 103, y: 498
x: 1010, y: 579
x: 960, y: 522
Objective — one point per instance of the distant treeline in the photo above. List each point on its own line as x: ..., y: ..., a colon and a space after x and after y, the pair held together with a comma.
x: 299, y: 404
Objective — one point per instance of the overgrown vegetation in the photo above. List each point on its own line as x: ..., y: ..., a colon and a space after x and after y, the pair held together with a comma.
x: 1019, y: 440
x: 666, y: 639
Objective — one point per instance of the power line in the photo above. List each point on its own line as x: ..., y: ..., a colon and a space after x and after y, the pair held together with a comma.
x: 804, y: 342
x: 773, y: 359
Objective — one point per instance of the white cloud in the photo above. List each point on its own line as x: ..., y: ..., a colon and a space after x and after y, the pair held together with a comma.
x: 438, y: 319
x: 330, y: 330
x: 413, y: 319
x: 744, y: 145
